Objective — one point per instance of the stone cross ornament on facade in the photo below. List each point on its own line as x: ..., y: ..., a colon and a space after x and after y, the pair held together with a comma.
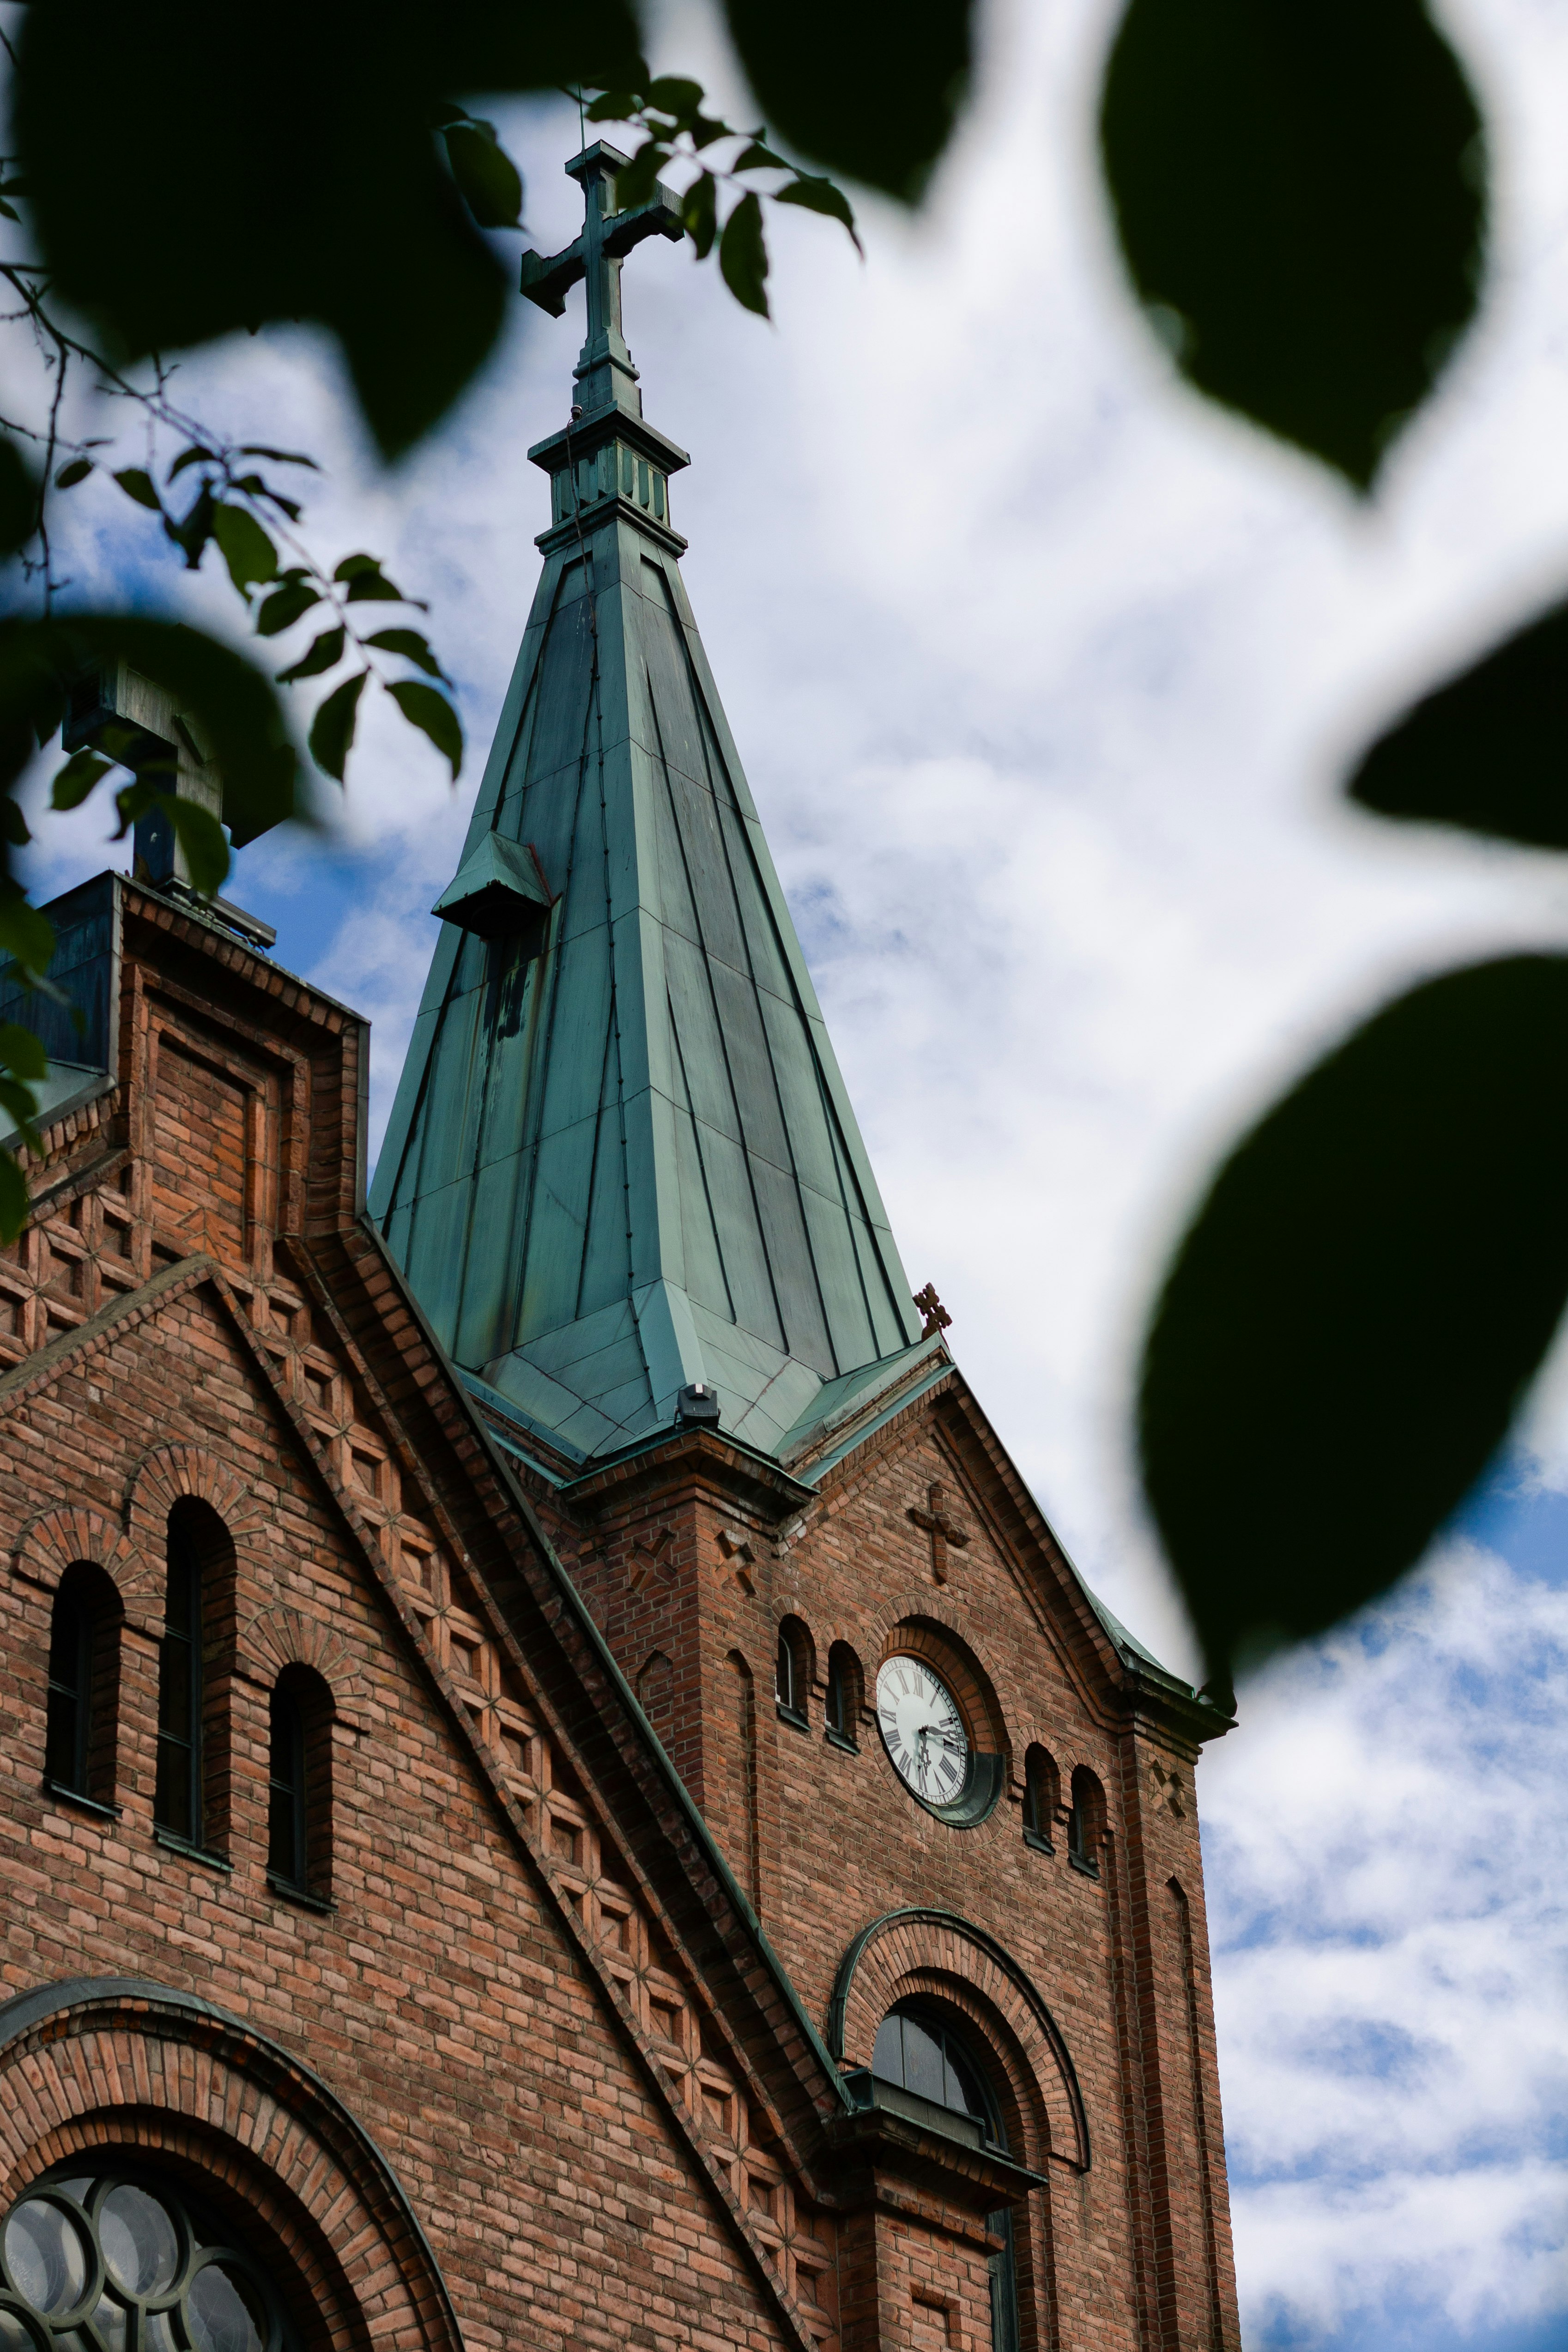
x: 941, y: 1529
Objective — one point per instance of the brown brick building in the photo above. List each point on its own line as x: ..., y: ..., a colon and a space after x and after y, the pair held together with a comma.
x: 559, y: 1789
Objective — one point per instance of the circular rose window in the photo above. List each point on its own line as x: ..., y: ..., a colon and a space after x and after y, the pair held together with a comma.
x: 101, y: 2262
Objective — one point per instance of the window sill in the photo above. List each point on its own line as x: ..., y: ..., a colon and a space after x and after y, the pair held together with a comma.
x: 791, y: 1715
x: 1080, y: 1861
x: 192, y: 1852
x: 1042, y: 1843
x: 286, y: 1889
x: 62, y: 1795
x: 840, y: 1739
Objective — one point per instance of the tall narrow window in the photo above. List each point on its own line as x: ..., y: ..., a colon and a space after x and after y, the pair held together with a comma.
x: 287, y: 1855
x: 1088, y: 1822
x: 1040, y: 1786
x: 177, y: 1804
x: 784, y: 1674
x: 792, y: 1672
x: 844, y: 1687
x: 299, y: 1785
x: 84, y: 1678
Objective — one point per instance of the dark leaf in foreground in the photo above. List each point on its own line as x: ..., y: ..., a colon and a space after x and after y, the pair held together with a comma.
x: 1489, y: 750
x: 332, y: 729
x: 1300, y: 199
x: 492, y: 188
x: 868, y: 87
x: 430, y: 712
x: 322, y: 196
x: 1350, y: 1323
x: 13, y: 1200
x: 411, y: 645
x: 18, y: 497
x: 743, y: 255
x: 325, y: 654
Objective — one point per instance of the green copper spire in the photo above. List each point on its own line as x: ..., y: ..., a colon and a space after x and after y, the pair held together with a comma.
x: 622, y: 1161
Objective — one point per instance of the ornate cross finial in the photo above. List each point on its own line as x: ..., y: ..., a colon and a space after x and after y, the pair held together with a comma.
x: 941, y: 1529
x: 936, y: 1315
x: 604, y: 370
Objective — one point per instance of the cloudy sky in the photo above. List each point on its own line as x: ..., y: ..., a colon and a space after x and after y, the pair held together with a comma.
x: 1043, y: 673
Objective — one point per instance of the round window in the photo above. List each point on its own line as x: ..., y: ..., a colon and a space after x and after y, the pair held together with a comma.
x: 100, y: 2261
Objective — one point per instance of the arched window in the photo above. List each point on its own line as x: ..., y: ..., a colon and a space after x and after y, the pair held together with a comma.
x: 190, y: 1803
x: 84, y: 1687
x: 919, y: 2053
x: 846, y: 1691
x: 138, y: 2259
x: 179, y: 1803
x: 1041, y: 1795
x: 792, y: 1672
x: 1087, y: 1826
x: 299, y: 1787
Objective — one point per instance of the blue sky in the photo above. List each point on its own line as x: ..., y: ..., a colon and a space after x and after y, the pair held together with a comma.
x: 1044, y: 673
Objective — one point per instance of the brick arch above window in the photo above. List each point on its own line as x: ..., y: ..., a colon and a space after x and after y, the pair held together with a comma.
x: 278, y: 1636
x: 921, y: 1634
x: 175, y: 1474
x: 52, y: 1541
x: 906, y: 1953
x: 121, y: 2063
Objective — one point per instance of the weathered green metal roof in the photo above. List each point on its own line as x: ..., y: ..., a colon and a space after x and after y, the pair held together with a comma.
x: 628, y: 1164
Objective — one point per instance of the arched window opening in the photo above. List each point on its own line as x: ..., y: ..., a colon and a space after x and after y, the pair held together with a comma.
x: 299, y: 1785
x: 792, y: 1672
x: 846, y: 1695
x: 190, y: 1802
x: 1041, y: 1795
x: 130, y: 2257
x: 919, y: 2054
x: 1087, y: 1825
x: 84, y: 1687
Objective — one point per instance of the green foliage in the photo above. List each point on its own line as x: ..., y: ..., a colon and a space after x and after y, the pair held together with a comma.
x: 423, y: 707
x: 18, y: 497
x: 1299, y: 195
x: 870, y: 88
x: 411, y: 645
x: 244, y: 547
x: 1489, y: 750
x: 1349, y: 1322
x: 743, y: 255
x: 230, y: 701
x: 322, y: 196
x: 491, y: 184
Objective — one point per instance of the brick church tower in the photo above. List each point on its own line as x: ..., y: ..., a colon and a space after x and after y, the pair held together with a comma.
x: 559, y: 1789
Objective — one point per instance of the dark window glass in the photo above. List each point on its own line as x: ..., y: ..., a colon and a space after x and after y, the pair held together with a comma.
x: 916, y: 2050
x: 843, y: 1693
x: 784, y: 1673
x: 68, y: 1738
x: 177, y: 1806
x: 1040, y: 1798
x: 1083, y: 1830
x: 287, y: 1853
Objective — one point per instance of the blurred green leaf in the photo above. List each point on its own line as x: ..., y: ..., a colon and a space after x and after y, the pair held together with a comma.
x: 411, y: 645
x: 821, y: 196
x: 321, y: 196
x: 324, y: 654
x: 279, y: 457
x: 743, y: 255
x: 18, y: 497
x: 244, y: 547
x: 699, y: 214
x: 758, y: 158
x: 491, y: 184
x: 635, y: 185
x: 373, y: 587
x: 228, y: 700
x: 195, y: 455
x: 25, y: 933
x: 285, y: 606
x: 432, y: 715
x: 1489, y: 750
x: 870, y: 88
x: 1350, y: 1321
x: 76, y: 780
x: 191, y: 532
x: 134, y: 481
x: 673, y: 94
x: 332, y: 729
x: 13, y: 824
x: 203, y: 839
x: 76, y: 471
x: 22, y: 1052
x: 1300, y: 204
x: 15, y: 1202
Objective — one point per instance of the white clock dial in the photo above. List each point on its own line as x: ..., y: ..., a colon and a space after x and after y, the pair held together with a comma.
x: 922, y: 1730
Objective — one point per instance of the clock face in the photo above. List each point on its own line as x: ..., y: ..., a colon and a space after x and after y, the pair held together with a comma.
x: 923, y: 1730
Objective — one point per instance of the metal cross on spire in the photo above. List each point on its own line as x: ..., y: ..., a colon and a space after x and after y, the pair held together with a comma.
x: 604, y: 371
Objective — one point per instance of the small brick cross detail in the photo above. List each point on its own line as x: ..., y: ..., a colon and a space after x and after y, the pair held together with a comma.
x: 941, y: 1529
x: 934, y: 1314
